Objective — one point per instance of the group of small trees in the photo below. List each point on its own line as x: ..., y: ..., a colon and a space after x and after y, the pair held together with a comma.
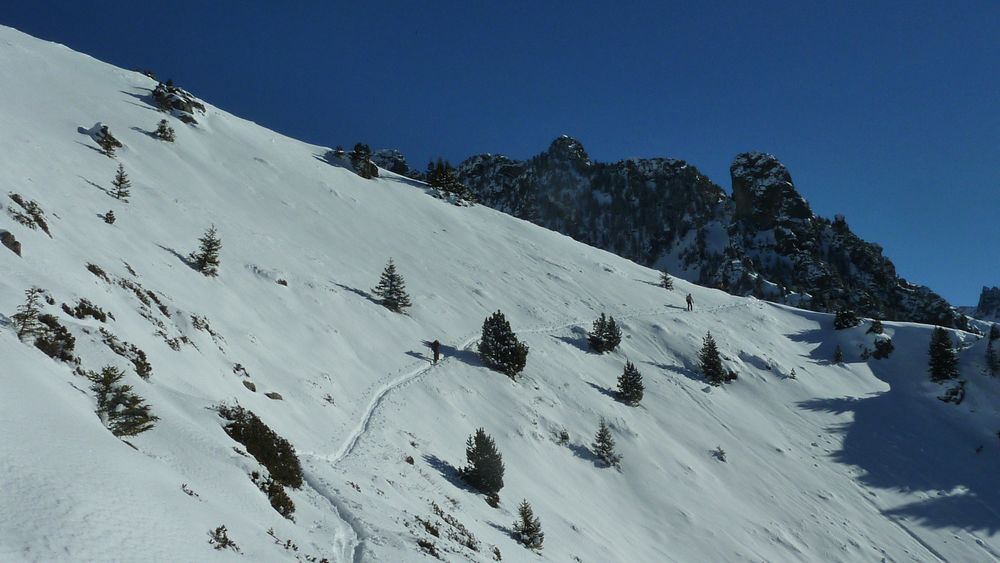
x: 361, y: 161
x: 442, y: 175
x: 484, y: 471
x: 846, y: 318
x: 605, y: 335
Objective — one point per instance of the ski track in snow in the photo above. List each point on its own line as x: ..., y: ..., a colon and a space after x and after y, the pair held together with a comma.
x: 354, y: 438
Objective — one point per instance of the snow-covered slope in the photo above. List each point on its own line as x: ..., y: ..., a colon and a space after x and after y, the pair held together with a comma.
x: 853, y: 462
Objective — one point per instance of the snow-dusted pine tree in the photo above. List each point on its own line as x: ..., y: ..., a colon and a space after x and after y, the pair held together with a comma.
x: 391, y: 289
x: 711, y: 362
x: 666, y: 282
x: 206, y: 260
x: 499, y: 347
x: 630, y: 387
x: 528, y: 528
x: 121, y: 184
x: 943, y: 362
x: 604, y: 446
x: 484, y: 469
x: 838, y: 355
x: 120, y: 409
x: 164, y: 131
x: 26, y: 321
x: 605, y: 335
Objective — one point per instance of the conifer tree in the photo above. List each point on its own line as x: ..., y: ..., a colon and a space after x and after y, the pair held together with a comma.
x: 121, y: 184
x: 484, y: 469
x: 164, y: 131
x: 711, y: 362
x: 838, y: 355
x: 596, y: 334
x: 206, y: 260
x: 630, y: 387
x: 943, y: 362
x: 499, y: 347
x: 992, y: 361
x: 612, y: 335
x: 528, y: 528
x: 876, y: 327
x: 604, y: 445
x: 443, y: 176
x: 392, y: 290
x: 120, y: 409
x: 26, y: 321
x: 109, y: 217
x: 845, y: 318
x: 666, y: 282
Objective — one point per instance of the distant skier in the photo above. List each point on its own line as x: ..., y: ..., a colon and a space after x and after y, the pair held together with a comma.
x: 436, y: 348
x: 690, y: 301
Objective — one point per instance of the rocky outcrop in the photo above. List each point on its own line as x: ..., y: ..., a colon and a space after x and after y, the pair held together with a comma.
x: 8, y: 240
x: 394, y: 161
x: 989, y: 304
x: 763, y: 240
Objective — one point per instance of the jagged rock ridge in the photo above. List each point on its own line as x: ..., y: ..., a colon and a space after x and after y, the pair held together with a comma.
x: 763, y: 240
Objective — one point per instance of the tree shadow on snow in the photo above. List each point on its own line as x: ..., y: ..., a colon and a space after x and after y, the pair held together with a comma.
x: 150, y: 134
x: 184, y: 259
x: 822, y: 352
x: 329, y: 158
x: 448, y: 471
x: 679, y: 370
x: 604, y: 390
x: 579, y: 340
x: 95, y: 184
x: 93, y: 148
x: 470, y: 357
x: 500, y: 528
x: 584, y: 453
x: 358, y: 292
x: 906, y: 442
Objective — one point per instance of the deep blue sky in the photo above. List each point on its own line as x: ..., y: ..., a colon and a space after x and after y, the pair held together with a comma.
x: 887, y: 112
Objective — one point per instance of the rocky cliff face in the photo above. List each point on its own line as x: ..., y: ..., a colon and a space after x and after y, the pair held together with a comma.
x: 763, y: 240
x: 989, y: 304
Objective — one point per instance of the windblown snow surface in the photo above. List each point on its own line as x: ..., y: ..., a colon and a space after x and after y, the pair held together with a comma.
x: 852, y: 462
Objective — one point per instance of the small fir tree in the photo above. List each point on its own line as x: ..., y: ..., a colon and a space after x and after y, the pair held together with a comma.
x: 121, y: 184
x: 164, y: 131
x: 711, y: 361
x: 838, y: 355
x: 392, y: 290
x: 120, y: 409
x: 109, y: 217
x: 206, y: 260
x: 876, y: 327
x: 528, y: 528
x: 943, y: 362
x: 26, y: 320
x: 499, y: 347
x: 485, y: 468
x: 666, y: 282
x: 604, y: 446
x: 630, y: 387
